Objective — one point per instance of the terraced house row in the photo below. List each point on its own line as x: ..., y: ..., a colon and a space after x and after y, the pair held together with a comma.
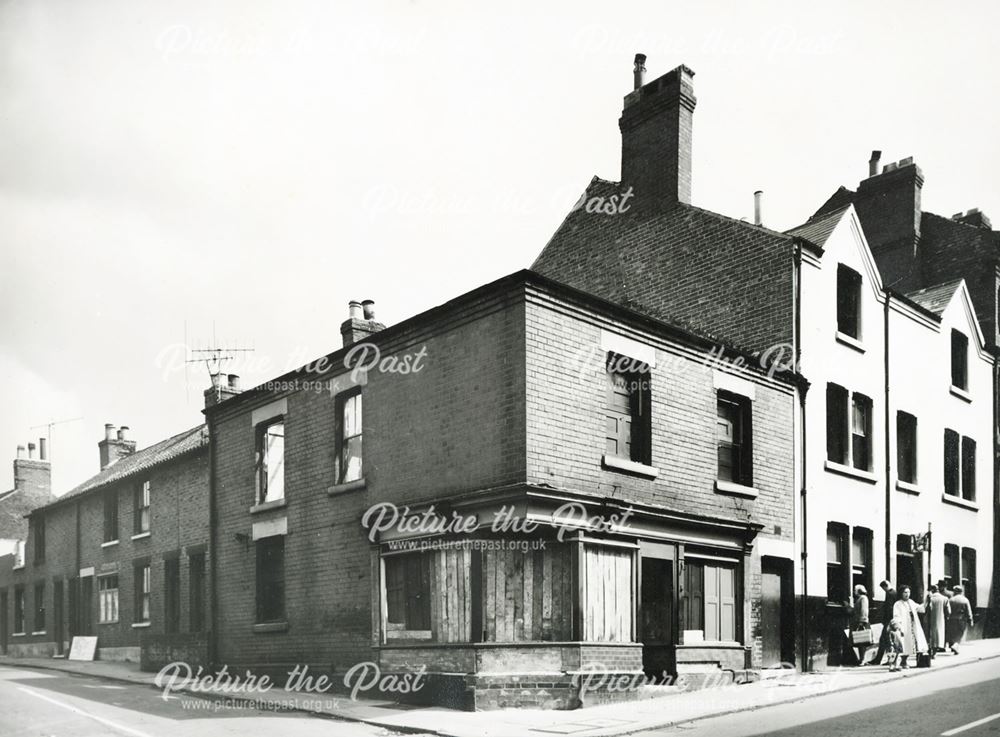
x: 670, y: 448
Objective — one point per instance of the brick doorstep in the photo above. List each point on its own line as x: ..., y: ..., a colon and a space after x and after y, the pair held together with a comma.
x: 613, y: 719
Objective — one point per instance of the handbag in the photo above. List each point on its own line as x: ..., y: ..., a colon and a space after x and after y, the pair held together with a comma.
x: 923, y: 660
x: 863, y: 637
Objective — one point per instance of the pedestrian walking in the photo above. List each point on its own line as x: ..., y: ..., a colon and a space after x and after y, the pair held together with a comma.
x: 959, y: 619
x: 906, y: 611
x: 884, y: 640
x: 860, y: 624
x: 938, y: 609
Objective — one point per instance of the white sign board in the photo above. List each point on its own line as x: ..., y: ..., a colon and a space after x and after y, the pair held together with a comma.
x: 83, y: 648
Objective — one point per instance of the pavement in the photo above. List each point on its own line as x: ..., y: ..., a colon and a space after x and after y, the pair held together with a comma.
x: 649, y: 713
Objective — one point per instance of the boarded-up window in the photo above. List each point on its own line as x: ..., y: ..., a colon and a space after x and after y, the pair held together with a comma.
x: 710, y: 590
x: 196, y: 594
x: 172, y: 595
x: 408, y: 592
x: 607, y: 605
x: 527, y: 595
x: 959, y: 360
x: 627, y: 409
x: 271, y: 579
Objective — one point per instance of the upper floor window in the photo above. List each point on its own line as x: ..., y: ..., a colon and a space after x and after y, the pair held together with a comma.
x: 349, y: 455
x: 733, y: 436
x: 959, y: 465
x: 110, y: 515
x: 906, y: 447
x: 627, y: 409
x: 848, y: 435
x: 38, y: 534
x: 848, y: 302
x: 271, y: 460
x: 959, y: 360
x: 141, y: 507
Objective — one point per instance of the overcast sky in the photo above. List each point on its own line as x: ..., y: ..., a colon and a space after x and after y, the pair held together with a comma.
x: 248, y: 167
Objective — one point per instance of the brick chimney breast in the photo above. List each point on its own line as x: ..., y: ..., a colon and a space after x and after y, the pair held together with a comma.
x: 656, y: 126
x: 115, y: 446
x: 360, y: 322
x: 889, y: 205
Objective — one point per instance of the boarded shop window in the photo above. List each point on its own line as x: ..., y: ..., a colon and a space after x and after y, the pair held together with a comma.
x: 349, y: 455
x: 838, y: 578
x: 408, y: 592
x: 141, y: 506
x: 271, y: 461
x: 959, y: 360
x: 143, y: 589
x: 107, y: 594
x: 111, y: 515
x: 906, y: 447
x: 848, y: 301
x: 196, y: 583
x: 969, y: 574
x: 628, y: 430
x: 733, y: 438
x: 271, y: 579
x: 710, y: 590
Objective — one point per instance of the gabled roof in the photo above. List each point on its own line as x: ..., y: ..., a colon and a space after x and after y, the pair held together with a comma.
x: 818, y: 228
x: 143, y: 460
x: 936, y: 298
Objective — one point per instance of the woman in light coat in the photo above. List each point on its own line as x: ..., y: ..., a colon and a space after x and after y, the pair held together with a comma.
x: 938, y: 611
x: 906, y: 611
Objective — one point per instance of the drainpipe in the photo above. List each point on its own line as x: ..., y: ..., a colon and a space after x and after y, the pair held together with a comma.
x: 803, y: 388
x: 991, y: 627
x: 213, y: 551
x: 888, y: 456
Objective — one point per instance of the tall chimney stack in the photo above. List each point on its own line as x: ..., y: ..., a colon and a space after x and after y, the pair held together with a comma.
x: 757, y: 215
x: 33, y: 476
x: 43, y: 449
x: 873, y: 163
x: 656, y: 126
x: 115, y: 446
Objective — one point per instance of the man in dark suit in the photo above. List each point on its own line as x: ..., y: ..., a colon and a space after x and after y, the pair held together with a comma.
x: 883, y: 641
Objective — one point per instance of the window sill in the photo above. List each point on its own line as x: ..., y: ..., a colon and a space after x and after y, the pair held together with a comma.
x: 409, y: 635
x: 140, y: 625
x: 265, y: 506
x: 109, y: 544
x: 959, y: 502
x: 960, y: 393
x: 620, y: 464
x: 17, y: 568
x: 850, y: 342
x: 270, y: 627
x: 346, y: 488
x: 907, y: 487
x: 39, y: 632
x: 856, y: 473
x: 110, y: 621
x: 728, y: 487
x: 18, y: 634
x: 835, y: 605
x: 141, y: 536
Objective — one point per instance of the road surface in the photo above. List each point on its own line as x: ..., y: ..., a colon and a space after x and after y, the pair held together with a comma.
x: 35, y: 703
x: 955, y: 702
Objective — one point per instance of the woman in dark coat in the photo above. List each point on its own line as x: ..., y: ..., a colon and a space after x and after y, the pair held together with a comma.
x: 959, y: 619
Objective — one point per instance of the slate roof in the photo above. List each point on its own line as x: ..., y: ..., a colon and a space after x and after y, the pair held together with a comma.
x: 818, y: 228
x: 143, y: 460
x: 673, y: 262
x: 936, y: 298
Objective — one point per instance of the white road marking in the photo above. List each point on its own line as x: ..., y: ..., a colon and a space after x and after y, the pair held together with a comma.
x: 81, y: 712
x: 970, y: 725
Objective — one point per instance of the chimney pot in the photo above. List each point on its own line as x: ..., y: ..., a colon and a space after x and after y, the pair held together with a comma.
x: 234, y: 382
x: 109, y: 431
x: 905, y: 162
x: 873, y: 163
x: 43, y: 449
x: 758, y: 197
x: 31, y: 451
x: 354, y: 310
x: 20, y: 451
x: 639, y: 71
x: 123, y: 432
x: 368, y: 309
